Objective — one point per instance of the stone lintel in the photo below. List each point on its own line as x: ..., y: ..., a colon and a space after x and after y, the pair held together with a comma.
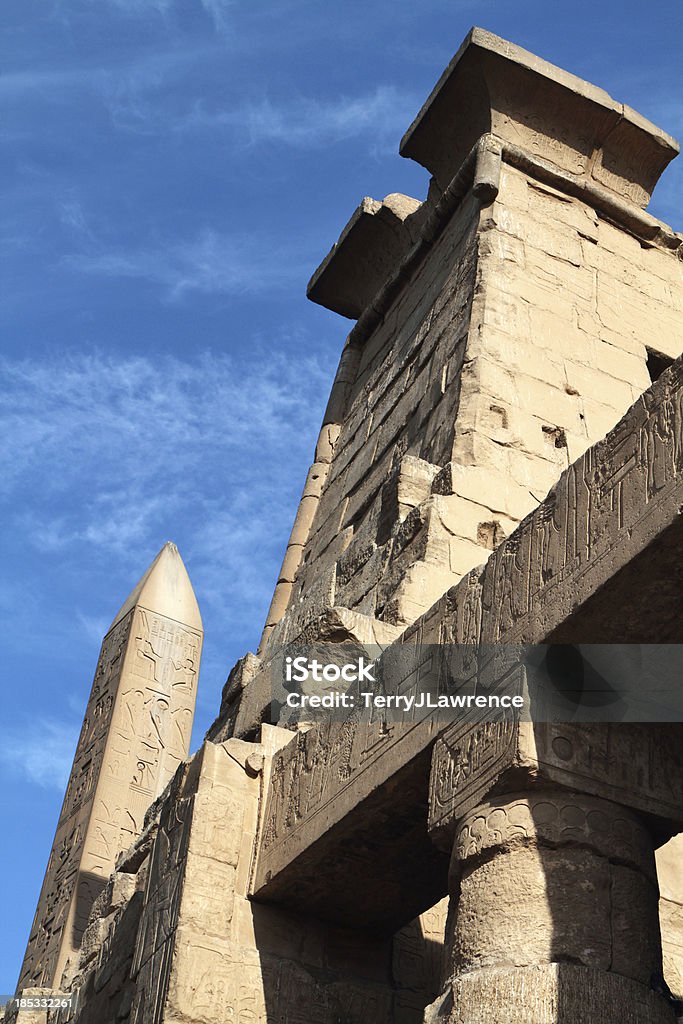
x: 491, y: 85
x: 636, y: 766
x: 375, y: 868
x: 254, y: 683
x: 369, y: 250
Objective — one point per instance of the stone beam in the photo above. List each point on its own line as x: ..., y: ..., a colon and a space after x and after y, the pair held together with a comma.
x: 609, y: 519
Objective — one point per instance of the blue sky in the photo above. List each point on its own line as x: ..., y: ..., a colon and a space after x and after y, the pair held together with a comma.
x: 173, y: 172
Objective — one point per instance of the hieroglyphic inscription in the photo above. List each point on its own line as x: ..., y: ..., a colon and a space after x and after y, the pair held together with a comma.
x: 638, y: 766
x: 313, y: 773
x: 320, y: 766
x: 135, y: 734
x: 611, y: 494
x: 151, y: 732
x: 606, y: 507
x: 49, y: 931
x: 467, y: 760
x: 196, y: 956
x: 154, y: 949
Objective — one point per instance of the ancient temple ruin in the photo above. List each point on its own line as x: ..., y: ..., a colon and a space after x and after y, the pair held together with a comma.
x: 500, y: 462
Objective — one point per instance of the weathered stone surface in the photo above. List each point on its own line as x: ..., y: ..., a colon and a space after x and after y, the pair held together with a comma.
x: 548, y: 365
x: 516, y: 337
x: 548, y: 994
x: 566, y: 554
x: 399, y: 410
x: 204, y: 952
x: 637, y: 766
x: 243, y: 673
x: 504, y: 326
x: 670, y: 877
x: 135, y: 735
x: 492, y: 85
x: 370, y: 247
x: 553, y: 876
x: 418, y: 963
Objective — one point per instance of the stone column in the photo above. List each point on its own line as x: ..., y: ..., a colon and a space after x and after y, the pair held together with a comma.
x: 670, y: 878
x: 554, y: 897
x: 556, y: 915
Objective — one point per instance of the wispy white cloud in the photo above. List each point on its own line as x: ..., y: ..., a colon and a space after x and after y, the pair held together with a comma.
x: 126, y: 75
x: 39, y: 751
x: 95, y: 627
x: 309, y: 122
x: 302, y: 122
x: 116, y: 456
x: 209, y: 263
x: 142, y: 96
x: 17, y: 83
x: 216, y: 10
x: 137, y: 7
x: 72, y: 216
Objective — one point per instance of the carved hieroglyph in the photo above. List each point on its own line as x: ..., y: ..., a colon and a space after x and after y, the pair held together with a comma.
x: 503, y: 329
x: 504, y: 326
x: 135, y: 733
x: 602, y: 515
x: 207, y: 954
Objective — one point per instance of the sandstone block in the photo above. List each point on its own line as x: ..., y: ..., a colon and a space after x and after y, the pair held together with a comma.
x: 597, y: 384
x: 549, y: 994
x: 369, y: 249
x: 494, y: 491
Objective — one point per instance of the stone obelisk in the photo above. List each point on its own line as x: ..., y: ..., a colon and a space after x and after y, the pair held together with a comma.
x: 135, y: 733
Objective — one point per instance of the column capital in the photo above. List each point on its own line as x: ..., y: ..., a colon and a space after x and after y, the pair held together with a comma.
x: 633, y: 765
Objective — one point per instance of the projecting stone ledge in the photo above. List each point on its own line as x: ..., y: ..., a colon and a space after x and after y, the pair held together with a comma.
x: 494, y: 102
x: 369, y: 250
x: 493, y: 86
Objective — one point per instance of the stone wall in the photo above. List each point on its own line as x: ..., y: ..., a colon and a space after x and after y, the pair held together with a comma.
x: 399, y: 425
x: 174, y: 938
x: 517, y: 339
